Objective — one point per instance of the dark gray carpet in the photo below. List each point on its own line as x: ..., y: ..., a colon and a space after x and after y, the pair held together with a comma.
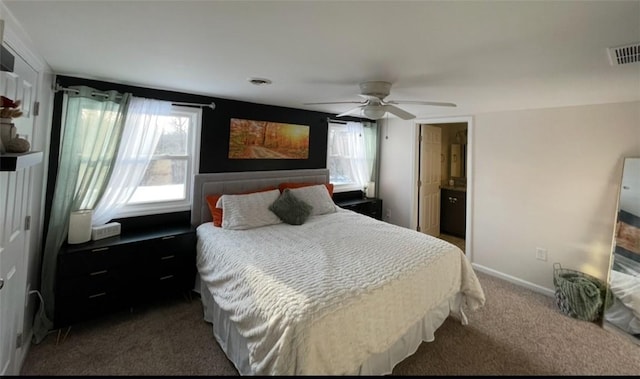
x: 518, y: 332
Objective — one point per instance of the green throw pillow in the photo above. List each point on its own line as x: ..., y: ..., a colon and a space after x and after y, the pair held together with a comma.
x: 290, y: 209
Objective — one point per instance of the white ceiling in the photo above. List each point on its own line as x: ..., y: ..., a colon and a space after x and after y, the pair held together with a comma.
x: 483, y: 55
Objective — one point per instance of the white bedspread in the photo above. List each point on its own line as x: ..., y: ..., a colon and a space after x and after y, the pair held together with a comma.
x: 320, y: 297
x: 625, y: 311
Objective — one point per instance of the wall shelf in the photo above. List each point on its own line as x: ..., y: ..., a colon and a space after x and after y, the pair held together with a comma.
x: 18, y: 161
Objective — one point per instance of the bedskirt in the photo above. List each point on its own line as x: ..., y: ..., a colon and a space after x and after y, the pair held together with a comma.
x: 235, y: 345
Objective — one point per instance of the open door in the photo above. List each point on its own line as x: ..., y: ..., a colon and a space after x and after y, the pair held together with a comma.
x: 429, y: 182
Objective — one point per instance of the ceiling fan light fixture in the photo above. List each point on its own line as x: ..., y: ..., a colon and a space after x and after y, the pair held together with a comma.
x: 374, y: 112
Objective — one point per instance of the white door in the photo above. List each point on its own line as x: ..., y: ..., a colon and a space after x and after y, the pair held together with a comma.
x: 12, y: 268
x: 15, y: 192
x: 430, y: 174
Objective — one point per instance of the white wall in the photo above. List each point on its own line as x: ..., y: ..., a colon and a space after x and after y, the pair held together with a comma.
x: 541, y: 178
x: 397, y: 164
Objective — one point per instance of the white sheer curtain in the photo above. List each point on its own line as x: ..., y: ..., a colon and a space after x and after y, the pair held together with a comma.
x: 142, y: 130
x: 91, y: 131
x: 352, y: 152
x: 359, y: 162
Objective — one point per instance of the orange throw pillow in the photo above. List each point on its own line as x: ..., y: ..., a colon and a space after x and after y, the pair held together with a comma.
x: 292, y: 185
x: 216, y: 213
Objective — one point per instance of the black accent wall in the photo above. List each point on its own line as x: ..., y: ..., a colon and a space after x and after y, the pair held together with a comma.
x: 215, y: 130
x: 215, y: 126
x: 214, y: 146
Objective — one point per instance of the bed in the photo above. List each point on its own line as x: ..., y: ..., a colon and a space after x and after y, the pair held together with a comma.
x: 338, y: 294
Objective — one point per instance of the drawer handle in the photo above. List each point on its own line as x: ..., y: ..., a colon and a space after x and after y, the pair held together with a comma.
x: 100, y: 249
x: 98, y: 272
x: 97, y: 295
x: 168, y: 237
x: 166, y: 277
x: 167, y: 257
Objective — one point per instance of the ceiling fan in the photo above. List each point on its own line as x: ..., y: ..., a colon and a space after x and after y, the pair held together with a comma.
x: 374, y: 106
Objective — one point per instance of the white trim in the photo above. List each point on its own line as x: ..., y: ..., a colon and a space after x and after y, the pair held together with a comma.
x: 352, y: 186
x: 469, y: 194
x: 12, y: 31
x: 193, y: 167
x: 514, y: 280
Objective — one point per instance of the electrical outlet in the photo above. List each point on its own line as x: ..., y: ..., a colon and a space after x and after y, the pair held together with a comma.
x: 387, y: 214
x: 541, y: 254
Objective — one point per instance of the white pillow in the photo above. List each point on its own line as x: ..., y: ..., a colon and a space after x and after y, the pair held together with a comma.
x: 318, y: 197
x: 248, y: 211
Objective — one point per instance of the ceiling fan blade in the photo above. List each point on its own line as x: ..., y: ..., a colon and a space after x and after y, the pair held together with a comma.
x: 435, y: 103
x: 336, y: 102
x: 352, y: 111
x: 398, y: 112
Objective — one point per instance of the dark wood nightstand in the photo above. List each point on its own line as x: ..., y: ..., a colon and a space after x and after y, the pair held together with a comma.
x: 371, y: 207
x: 99, y: 277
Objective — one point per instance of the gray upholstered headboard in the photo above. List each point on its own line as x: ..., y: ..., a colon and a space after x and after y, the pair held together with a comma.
x: 237, y: 182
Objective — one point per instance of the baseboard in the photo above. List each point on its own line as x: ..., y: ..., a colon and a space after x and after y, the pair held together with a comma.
x: 514, y: 280
x: 26, y: 345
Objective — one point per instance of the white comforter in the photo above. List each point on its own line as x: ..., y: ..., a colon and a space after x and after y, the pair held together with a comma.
x: 321, y: 297
x: 625, y: 311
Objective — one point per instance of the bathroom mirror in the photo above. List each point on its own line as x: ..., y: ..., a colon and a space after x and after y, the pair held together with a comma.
x: 623, y: 312
x: 458, y: 160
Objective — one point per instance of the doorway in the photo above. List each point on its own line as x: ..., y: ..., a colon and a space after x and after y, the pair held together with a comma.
x: 443, y: 173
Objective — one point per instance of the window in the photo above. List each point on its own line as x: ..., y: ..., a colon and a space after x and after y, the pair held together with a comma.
x: 166, y: 185
x: 352, y: 155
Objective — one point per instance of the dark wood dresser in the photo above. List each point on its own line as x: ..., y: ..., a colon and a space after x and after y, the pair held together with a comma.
x: 99, y: 277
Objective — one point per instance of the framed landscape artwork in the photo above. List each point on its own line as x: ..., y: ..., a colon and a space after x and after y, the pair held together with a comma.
x: 250, y: 139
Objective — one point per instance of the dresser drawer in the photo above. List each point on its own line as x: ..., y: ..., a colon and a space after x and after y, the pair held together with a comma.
x: 70, y: 310
x: 93, y: 284
x: 170, y: 263
x: 163, y: 284
x: 88, y: 261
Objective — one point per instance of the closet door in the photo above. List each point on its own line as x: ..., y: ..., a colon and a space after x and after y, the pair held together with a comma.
x: 15, y: 206
x: 14, y: 188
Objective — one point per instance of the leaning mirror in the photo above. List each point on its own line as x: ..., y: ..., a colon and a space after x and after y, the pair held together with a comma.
x: 623, y: 313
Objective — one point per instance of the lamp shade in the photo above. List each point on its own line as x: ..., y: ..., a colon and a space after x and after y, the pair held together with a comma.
x: 371, y: 190
x: 80, y: 226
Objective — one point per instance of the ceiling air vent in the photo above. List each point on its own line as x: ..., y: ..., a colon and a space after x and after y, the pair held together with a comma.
x: 624, y: 54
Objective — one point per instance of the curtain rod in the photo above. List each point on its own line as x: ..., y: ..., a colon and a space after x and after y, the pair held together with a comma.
x: 58, y: 87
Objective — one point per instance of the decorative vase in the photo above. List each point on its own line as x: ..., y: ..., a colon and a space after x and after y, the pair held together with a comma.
x: 7, y: 132
x: 18, y: 145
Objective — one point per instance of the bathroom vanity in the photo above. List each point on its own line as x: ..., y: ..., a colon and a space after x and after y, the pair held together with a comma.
x: 453, y: 215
